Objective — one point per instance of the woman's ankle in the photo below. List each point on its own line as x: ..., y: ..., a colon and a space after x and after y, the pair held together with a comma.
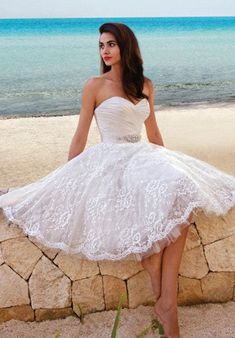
x: 167, y: 303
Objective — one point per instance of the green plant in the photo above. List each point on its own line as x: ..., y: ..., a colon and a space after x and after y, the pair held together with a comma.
x: 117, y: 318
x: 155, y: 324
x: 58, y: 335
x: 161, y: 331
x: 81, y: 317
x: 153, y: 327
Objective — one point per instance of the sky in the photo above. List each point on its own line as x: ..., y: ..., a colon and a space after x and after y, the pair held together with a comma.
x: 112, y: 8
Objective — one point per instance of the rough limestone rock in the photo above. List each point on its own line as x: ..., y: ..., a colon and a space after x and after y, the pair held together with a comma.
x: 140, y: 290
x: 121, y: 269
x: 193, y: 263
x: 49, y: 287
x: 215, y: 228
x: 49, y: 252
x: 220, y: 255
x: 13, y: 288
x: 193, y: 240
x: 20, y: 312
x: 21, y: 255
x: 218, y: 286
x: 88, y: 295
x: 114, y: 289
x: 189, y: 291
x: 76, y: 268
x: 51, y: 314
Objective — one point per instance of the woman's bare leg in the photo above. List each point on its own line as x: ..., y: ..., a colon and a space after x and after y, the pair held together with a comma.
x: 153, y: 265
x: 166, y: 305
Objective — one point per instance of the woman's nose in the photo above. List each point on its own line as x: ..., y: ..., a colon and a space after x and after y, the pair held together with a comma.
x: 106, y: 49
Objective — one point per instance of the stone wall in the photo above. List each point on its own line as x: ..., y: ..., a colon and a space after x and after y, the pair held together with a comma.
x: 38, y: 283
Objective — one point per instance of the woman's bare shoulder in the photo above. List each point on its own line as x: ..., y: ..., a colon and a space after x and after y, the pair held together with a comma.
x: 92, y: 86
x: 93, y: 81
x: 148, y: 85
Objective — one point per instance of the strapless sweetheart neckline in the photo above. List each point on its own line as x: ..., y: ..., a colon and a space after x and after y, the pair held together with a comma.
x: 123, y: 98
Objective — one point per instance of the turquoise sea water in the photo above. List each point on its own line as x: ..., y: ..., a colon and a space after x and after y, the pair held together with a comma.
x: 45, y: 62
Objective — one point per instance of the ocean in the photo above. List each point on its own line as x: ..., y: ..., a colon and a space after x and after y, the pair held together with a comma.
x: 45, y: 62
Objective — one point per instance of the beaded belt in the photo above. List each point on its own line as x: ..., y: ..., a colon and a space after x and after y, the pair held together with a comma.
x: 126, y: 138
x: 130, y: 138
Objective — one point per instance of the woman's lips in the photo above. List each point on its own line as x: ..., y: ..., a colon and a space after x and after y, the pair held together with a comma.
x: 107, y: 57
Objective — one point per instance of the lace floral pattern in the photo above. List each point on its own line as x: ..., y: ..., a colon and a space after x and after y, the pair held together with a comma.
x: 114, y: 202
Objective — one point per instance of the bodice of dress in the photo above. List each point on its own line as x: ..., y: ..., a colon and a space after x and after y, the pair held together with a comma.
x: 119, y: 120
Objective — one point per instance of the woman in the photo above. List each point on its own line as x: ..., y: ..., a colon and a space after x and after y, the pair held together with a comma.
x: 123, y: 198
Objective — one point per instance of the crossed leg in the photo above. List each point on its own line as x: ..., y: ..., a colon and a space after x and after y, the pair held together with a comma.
x: 153, y: 265
x: 163, y: 269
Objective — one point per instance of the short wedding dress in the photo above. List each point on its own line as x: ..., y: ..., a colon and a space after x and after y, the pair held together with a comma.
x: 123, y: 198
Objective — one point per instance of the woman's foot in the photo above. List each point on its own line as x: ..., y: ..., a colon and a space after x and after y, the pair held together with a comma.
x: 168, y: 316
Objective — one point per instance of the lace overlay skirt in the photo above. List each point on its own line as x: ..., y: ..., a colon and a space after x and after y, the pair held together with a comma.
x: 116, y: 201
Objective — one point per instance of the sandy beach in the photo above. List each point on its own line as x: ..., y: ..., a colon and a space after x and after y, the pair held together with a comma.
x: 204, y: 321
x: 32, y: 147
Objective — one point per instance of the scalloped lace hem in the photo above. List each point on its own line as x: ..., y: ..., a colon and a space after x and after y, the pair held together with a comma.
x: 136, y: 253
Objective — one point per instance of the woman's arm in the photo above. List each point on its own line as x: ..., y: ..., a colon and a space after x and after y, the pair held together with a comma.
x: 152, y: 130
x: 88, y: 102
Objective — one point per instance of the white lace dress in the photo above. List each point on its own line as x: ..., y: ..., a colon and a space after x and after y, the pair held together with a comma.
x: 123, y: 198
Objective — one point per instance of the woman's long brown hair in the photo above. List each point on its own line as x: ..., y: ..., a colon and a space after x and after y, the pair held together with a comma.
x: 131, y: 60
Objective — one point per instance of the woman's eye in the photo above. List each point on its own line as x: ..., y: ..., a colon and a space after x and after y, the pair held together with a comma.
x: 111, y: 44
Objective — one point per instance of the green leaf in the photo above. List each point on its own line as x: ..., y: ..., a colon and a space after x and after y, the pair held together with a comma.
x: 161, y: 329
x: 144, y: 332
x: 117, y: 318
x: 58, y: 335
x: 81, y: 317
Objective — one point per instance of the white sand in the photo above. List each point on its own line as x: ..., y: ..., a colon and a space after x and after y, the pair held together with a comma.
x: 197, y: 321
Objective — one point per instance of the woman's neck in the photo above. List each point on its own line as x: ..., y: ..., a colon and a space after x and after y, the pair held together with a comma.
x: 115, y: 73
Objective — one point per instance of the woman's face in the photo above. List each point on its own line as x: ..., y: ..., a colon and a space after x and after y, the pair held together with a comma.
x: 109, y: 49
